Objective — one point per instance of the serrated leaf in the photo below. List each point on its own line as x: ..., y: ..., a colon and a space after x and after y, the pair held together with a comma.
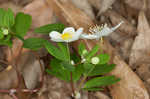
x: 33, y: 43
x: 76, y: 74
x: 65, y: 51
x: 101, y: 81
x: 22, y: 24
x: 92, y: 89
x: 54, y: 51
x: 68, y: 66
x: 92, y: 52
x: 102, y: 69
x: 46, y: 29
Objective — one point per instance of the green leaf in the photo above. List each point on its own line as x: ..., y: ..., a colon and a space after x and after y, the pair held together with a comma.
x: 58, y: 71
x: 92, y: 52
x: 54, y: 51
x: 104, y: 58
x: 101, y: 81
x: 65, y: 51
x: 8, y: 18
x: 1, y: 34
x: 46, y: 29
x: 22, y: 24
x: 88, y: 68
x: 76, y: 74
x: 2, y: 14
x: 33, y: 43
x: 68, y: 66
x: 81, y: 48
x: 102, y: 69
x: 92, y: 89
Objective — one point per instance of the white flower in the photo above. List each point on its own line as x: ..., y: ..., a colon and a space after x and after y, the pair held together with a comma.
x: 69, y: 34
x: 99, y: 31
x: 95, y: 60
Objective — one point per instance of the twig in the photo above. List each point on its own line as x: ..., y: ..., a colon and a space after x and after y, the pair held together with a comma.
x: 72, y: 85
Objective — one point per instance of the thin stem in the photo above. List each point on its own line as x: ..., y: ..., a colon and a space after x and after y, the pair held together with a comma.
x: 71, y: 83
x: 83, y: 80
x: 101, y: 44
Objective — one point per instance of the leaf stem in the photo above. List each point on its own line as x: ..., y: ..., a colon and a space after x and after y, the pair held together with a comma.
x: 71, y: 83
x: 83, y: 80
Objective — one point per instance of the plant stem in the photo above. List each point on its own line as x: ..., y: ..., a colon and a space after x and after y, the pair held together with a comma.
x: 83, y: 80
x: 71, y: 83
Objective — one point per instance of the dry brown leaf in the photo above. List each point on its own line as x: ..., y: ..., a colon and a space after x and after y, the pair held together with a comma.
x: 141, y: 48
x: 101, y: 95
x: 41, y: 13
x: 137, y: 4
x: 130, y: 86
x: 85, y: 6
x: 102, y: 5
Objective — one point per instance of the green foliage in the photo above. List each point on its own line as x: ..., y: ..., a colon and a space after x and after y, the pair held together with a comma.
x: 54, y: 51
x: 6, y: 41
x: 92, y: 52
x: 101, y: 69
x: 104, y: 58
x: 22, y: 24
x: 77, y: 73
x: 34, y: 43
x: 57, y: 70
x: 6, y: 18
x: 101, y: 81
x: 46, y: 29
x: 81, y: 48
x: 92, y: 89
x: 65, y: 50
x: 68, y: 66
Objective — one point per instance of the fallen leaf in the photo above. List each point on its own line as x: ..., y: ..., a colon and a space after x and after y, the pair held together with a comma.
x: 85, y: 6
x: 140, y: 52
x: 102, y: 5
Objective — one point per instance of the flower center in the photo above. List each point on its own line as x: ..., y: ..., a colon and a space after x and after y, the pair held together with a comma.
x: 66, y: 36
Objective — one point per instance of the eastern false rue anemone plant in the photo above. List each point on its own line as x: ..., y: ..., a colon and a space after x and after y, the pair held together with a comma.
x: 85, y: 64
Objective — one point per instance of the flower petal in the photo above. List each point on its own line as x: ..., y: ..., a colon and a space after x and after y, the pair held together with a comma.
x: 69, y: 30
x: 55, y: 35
x: 57, y: 40
x: 77, y: 34
x: 88, y: 36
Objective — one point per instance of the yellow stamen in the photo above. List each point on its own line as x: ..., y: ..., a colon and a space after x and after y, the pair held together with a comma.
x: 66, y: 36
